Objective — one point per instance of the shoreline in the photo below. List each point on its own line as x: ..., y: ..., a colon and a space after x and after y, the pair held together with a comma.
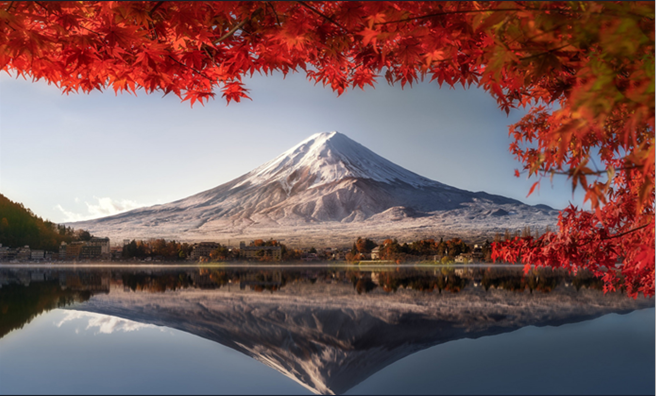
x: 367, y: 265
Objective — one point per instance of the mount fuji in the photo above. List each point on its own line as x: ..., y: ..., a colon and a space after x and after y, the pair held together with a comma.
x: 329, y: 189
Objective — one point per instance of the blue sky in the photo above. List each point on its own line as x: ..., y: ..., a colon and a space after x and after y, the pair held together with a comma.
x: 79, y: 156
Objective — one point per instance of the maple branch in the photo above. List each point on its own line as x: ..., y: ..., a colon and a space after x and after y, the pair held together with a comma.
x: 570, y: 173
x: 232, y: 31
x: 151, y: 23
x: 191, y: 68
x: 627, y: 232
x: 545, y: 52
x: 452, y: 13
x: 531, y: 38
x: 150, y: 13
x: 11, y: 4
x: 92, y: 31
x: 152, y: 27
x: 600, y: 172
x: 497, y: 10
x: 268, y: 4
x: 323, y: 15
x: 210, y: 57
x: 40, y: 5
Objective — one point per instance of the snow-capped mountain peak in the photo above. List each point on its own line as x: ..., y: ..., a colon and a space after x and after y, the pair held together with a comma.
x: 330, y: 188
x: 329, y: 157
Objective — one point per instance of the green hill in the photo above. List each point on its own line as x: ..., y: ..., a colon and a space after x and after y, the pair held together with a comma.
x: 19, y: 226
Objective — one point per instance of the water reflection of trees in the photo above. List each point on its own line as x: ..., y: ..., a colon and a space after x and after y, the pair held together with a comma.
x: 390, y: 281
x: 156, y: 283
x: 26, y: 294
x: 363, y: 282
x: 20, y: 304
x: 454, y: 280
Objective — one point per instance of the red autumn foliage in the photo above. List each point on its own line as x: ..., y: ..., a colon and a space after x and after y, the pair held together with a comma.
x: 585, y: 69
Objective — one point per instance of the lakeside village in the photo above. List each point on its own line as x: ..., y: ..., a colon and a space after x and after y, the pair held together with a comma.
x: 99, y: 250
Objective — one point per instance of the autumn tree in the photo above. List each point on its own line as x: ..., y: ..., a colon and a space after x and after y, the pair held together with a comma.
x: 425, y: 247
x: 585, y: 70
x: 221, y: 253
x: 364, y: 245
x: 391, y: 249
x: 19, y: 226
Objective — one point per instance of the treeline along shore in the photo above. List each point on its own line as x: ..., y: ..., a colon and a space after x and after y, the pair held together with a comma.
x: 87, y: 248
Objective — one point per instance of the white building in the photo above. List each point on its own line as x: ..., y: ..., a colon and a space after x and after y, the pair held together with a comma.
x: 375, y: 253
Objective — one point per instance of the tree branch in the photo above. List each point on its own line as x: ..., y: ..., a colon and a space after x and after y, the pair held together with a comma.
x: 601, y: 172
x: 500, y: 10
x: 267, y: 4
x: 545, y: 52
x: 42, y: 6
x: 191, y: 68
x: 151, y: 23
x: 627, y: 232
x: 150, y: 13
x: 231, y: 31
x: 452, y: 13
x: 210, y: 56
x: 301, y: 3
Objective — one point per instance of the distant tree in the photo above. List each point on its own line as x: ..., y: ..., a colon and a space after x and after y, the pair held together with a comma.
x: 129, y: 250
x: 392, y: 250
x: 425, y: 247
x: 221, y: 253
x: 364, y: 245
x: 456, y: 246
x: 291, y: 254
x: 351, y: 257
x: 84, y: 235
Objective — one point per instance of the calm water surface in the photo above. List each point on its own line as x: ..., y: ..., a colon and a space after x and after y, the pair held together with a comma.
x: 319, y: 330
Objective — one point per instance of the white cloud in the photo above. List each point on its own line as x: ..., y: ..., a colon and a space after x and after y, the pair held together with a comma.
x: 104, y: 207
x: 70, y: 216
x: 107, y: 206
x: 106, y: 324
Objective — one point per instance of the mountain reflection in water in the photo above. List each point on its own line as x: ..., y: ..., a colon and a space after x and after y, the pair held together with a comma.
x: 328, y: 329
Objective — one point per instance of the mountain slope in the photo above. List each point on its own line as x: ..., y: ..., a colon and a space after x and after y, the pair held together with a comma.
x: 326, y: 180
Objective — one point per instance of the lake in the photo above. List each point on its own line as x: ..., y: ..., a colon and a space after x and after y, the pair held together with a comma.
x: 319, y: 329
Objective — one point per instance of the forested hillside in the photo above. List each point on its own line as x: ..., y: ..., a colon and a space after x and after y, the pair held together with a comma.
x: 19, y: 226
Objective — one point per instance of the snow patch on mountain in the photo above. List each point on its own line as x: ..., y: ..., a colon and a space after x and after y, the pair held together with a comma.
x: 331, y: 157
